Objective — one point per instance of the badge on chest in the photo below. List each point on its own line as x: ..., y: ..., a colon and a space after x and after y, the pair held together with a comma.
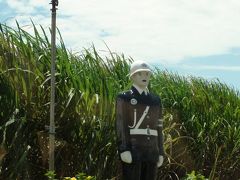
x: 133, y: 101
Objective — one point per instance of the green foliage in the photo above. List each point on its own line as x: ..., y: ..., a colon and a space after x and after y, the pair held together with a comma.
x: 51, y: 175
x: 80, y: 176
x: 86, y: 86
x: 209, y: 113
x: 83, y: 176
x: 194, y: 176
x: 202, y: 114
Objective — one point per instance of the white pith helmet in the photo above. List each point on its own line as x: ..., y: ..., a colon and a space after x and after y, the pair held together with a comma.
x: 137, y: 66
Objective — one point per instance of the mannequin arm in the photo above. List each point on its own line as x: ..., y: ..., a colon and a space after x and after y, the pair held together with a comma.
x: 121, y: 126
x: 160, y: 131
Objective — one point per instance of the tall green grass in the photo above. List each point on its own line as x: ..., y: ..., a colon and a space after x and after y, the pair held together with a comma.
x: 209, y: 113
x: 86, y: 87
x: 202, y: 116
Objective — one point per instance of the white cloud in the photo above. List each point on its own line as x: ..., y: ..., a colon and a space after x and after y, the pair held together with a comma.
x: 153, y: 30
x: 211, y: 67
x: 27, y: 6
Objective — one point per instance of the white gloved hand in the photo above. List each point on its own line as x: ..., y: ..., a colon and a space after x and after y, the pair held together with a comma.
x: 126, y: 157
x: 160, y: 161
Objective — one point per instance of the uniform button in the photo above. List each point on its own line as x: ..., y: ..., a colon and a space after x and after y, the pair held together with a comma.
x: 148, y: 117
x: 148, y: 138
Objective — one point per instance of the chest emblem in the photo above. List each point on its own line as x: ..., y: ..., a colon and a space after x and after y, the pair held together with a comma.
x: 133, y: 101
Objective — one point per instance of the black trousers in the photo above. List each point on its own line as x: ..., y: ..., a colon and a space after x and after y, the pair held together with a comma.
x: 139, y: 171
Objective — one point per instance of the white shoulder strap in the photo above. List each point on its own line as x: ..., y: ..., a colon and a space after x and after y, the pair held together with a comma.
x: 142, y: 118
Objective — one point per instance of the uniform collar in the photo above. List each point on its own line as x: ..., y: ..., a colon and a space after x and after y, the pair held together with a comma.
x: 140, y: 91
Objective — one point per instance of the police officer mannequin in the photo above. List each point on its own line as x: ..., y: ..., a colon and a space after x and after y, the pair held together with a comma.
x: 139, y: 127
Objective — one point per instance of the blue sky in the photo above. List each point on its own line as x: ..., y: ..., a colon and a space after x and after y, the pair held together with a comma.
x: 199, y: 38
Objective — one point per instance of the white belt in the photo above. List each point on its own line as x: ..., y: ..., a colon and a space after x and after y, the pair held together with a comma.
x: 144, y: 132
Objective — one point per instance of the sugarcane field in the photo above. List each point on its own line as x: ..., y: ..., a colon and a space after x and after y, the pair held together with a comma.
x: 88, y: 115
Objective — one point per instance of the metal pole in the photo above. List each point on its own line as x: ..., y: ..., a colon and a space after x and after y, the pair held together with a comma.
x: 52, y: 104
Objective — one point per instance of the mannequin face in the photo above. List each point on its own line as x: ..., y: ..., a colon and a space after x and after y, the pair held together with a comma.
x: 141, y: 78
